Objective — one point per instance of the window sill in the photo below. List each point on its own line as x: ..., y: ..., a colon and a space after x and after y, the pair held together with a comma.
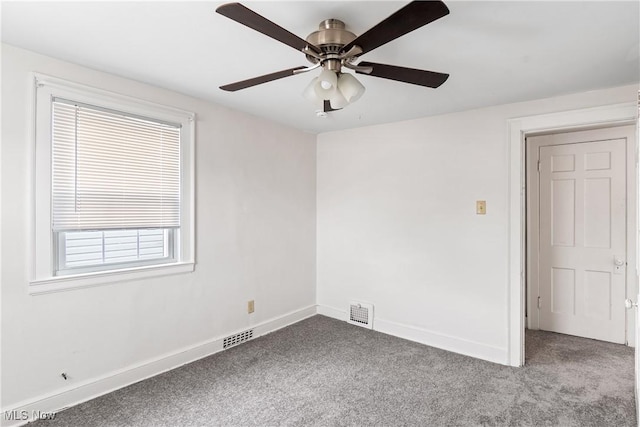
x: 76, y: 281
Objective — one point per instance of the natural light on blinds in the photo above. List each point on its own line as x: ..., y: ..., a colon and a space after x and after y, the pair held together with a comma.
x: 112, y: 170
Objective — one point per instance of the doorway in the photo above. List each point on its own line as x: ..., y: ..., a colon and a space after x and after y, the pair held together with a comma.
x: 519, y: 128
x: 580, y: 191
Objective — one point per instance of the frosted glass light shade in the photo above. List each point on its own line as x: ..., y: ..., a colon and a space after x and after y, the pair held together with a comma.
x: 310, y: 91
x: 350, y: 87
x: 326, y: 84
x: 337, y: 100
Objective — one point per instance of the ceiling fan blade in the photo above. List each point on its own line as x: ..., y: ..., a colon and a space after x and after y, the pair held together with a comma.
x: 406, y: 75
x: 232, y: 87
x: 412, y: 16
x: 248, y: 17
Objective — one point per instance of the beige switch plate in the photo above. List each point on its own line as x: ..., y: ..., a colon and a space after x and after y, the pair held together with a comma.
x: 250, y: 307
x: 481, y: 207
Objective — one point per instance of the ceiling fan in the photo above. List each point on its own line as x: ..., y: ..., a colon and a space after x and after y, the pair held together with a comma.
x: 332, y: 47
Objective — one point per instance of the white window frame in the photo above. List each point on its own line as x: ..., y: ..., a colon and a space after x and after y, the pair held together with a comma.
x: 42, y: 240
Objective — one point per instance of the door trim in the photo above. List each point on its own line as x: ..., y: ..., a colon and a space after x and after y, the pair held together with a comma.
x: 519, y: 128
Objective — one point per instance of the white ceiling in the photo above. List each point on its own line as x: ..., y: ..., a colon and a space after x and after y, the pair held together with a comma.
x: 495, y: 52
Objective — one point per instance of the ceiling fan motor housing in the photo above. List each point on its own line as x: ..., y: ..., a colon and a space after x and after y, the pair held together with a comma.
x: 330, y: 38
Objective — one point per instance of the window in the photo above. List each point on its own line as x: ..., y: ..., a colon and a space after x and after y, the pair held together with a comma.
x: 113, y: 187
x: 116, y: 178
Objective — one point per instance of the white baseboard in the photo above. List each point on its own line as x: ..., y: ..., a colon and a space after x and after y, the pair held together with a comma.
x: 285, y: 320
x: 430, y: 338
x: 325, y: 310
x: 27, y: 411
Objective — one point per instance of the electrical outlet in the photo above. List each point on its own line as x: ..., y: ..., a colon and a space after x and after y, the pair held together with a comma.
x: 251, y: 306
x: 481, y: 207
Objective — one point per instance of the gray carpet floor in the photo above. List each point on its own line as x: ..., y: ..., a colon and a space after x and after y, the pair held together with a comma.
x: 323, y: 372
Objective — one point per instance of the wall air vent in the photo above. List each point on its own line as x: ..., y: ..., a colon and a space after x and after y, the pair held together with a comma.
x: 361, y: 314
x: 236, y: 339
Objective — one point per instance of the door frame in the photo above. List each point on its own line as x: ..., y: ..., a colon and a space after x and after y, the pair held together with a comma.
x: 519, y: 128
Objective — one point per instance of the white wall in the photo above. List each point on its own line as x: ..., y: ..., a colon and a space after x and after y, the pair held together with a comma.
x: 397, y: 224
x: 255, y: 239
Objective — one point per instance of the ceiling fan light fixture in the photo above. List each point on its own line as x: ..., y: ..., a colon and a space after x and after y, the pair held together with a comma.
x: 326, y: 84
x: 350, y: 88
x: 344, y: 91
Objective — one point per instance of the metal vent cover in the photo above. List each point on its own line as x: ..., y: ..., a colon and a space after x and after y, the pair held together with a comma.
x: 236, y: 339
x: 361, y: 314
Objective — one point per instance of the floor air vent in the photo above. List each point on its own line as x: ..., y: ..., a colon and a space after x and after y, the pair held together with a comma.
x: 237, y: 339
x: 361, y: 314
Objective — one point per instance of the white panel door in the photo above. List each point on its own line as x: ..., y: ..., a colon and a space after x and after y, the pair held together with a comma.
x: 582, y: 252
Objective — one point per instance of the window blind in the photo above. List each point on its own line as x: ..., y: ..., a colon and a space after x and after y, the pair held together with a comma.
x: 112, y: 170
